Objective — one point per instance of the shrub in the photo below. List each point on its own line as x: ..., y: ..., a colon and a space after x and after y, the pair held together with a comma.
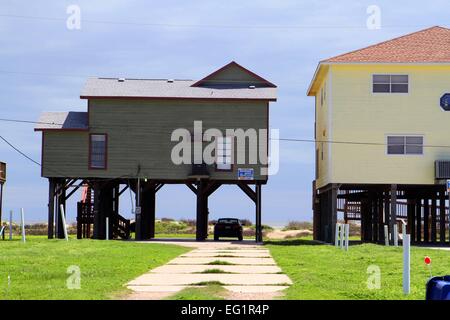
x: 298, y: 225
x: 189, y: 222
x: 246, y: 222
x: 264, y: 227
x: 169, y: 227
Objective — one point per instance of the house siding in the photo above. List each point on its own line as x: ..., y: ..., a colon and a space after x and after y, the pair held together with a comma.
x: 139, y: 133
x: 322, y: 133
x: 361, y: 116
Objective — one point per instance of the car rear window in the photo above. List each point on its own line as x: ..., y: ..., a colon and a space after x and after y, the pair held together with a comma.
x: 228, y: 221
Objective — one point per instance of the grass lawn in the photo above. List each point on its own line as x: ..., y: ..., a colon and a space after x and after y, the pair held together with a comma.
x: 38, y: 268
x: 208, y: 292
x: 326, y: 272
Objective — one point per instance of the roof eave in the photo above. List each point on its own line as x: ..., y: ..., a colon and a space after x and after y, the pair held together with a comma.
x: 205, y: 79
x: 173, y: 98
x: 61, y: 129
x: 309, y: 92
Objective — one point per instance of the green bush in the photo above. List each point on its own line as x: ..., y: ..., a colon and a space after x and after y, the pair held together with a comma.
x: 170, y: 227
x: 264, y: 227
x: 298, y: 225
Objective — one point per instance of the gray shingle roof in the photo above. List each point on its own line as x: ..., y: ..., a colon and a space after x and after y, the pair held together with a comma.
x: 149, y: 88
x: 62, y: 120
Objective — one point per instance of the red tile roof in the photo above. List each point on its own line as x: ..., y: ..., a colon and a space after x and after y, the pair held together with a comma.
x: 429, y: 45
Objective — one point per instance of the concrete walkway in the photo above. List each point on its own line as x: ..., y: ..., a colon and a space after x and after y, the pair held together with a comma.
x: 247, y: 271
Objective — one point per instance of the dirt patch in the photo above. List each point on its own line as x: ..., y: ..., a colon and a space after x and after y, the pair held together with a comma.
x: 280, y: 234
x: 252, y: 296
x: 148, y: 296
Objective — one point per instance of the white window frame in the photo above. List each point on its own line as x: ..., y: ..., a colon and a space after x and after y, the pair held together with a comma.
x: 405, y: 154
x: 390, y: 83
x: 224, y: 166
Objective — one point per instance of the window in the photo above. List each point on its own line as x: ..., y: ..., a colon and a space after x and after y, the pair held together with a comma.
x: 223, y: 153
x: 404, y: 145
x: 97, y: 152
x: 390, y: 83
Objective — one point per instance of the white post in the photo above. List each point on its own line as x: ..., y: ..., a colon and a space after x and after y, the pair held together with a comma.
x: 403, y: 231
x: 342, y: 235
x: 347, y: 235
x: 396, y: 235
x: 386, y: 235
x: 10, y: 225
x: 63, y: 220
x: 107, y: 228
x: 336, y: 235
x: 23, y: 224
x: 406, y: 264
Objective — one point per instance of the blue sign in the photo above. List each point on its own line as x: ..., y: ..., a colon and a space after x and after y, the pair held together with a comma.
x: 448, y: 185
x: 445, y: 102
x: 245, y: 174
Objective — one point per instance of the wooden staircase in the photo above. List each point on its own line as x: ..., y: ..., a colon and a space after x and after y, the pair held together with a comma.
x: 120, y: 227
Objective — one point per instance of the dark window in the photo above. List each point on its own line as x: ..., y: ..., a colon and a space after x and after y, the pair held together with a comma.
x: 228, y: 221
x: 405, y: 145
x: 390, y: 83
x: 98, y: 151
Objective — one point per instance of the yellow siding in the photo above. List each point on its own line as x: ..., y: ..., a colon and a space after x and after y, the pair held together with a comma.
x: 322, y: 131
x: 359, y: 115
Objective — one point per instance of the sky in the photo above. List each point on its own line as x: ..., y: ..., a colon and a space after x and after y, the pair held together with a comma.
x: 44, y: 65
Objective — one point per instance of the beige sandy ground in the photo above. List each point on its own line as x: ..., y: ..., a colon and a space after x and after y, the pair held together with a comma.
x: 280, y: 234
x: 252, y: 275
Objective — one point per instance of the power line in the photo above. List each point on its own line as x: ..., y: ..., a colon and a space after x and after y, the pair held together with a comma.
x: 52, y: 170
x: 29, y: 121
x: 215, y: 26
x: 279, y: 139
x: 20, y: 152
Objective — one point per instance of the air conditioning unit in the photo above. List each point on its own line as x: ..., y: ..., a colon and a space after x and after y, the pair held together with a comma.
x: 442, y: 168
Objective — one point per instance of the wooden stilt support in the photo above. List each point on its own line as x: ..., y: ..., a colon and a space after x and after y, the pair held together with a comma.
x: 51, y: 208
x: 433, y: 219
x: 148, y: 214
x: 61, y: 200
x: 138, y: 211
x: 205, y: 217
x: 442, y: 216
x: 426, y: 220
x: 365, y: 220
x: 393, y: 213
x: 375, y: 219
x: 258, y: 229
x: 200, y: 221
x: 419, y: 220
x: 333, y: 213
x: 1, y: 204
x: 380, y: 217
x: 387, y: 209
